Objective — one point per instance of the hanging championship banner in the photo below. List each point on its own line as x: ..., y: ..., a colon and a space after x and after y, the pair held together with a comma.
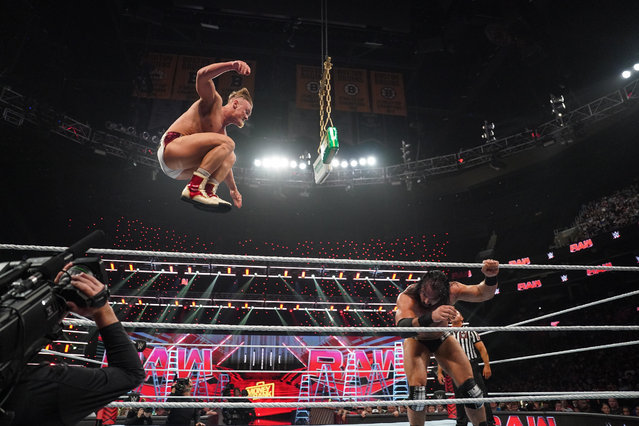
x: 351, y: 90
x: 155, y: 76
x: 388, y: 93
x: 231, y: 81
x: 308, y: 83
x: 185, y: 74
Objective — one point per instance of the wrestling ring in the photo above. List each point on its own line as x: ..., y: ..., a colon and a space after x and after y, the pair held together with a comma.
x: 326, y: 386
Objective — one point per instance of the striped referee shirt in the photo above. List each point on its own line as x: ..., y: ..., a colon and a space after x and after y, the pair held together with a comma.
x: 467, y: 340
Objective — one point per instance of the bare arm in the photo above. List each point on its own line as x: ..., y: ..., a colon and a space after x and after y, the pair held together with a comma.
x: 482, y: 291
x: 205, y: 75
x: 483, y: 353
x: 235, y: 194
x: 440, y: 375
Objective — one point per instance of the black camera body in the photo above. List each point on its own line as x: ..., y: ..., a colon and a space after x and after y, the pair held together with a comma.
x: 32, y: 306
x: 88, y: 265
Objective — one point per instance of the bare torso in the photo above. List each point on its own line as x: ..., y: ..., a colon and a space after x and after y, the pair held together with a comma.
x: 200, y: 118
x: 409, y: 305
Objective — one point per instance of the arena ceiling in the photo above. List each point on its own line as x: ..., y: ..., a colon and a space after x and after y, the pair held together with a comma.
x: 463, y: 61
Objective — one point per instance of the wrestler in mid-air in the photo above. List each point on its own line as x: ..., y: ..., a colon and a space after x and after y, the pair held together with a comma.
x: 196, y: 145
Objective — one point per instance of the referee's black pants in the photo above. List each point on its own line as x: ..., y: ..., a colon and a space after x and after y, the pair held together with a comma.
x: 462, y: 418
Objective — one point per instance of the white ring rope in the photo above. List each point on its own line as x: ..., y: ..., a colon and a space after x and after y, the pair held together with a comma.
x: 71, y: 356
x: 575, y: 308
x: 312, y: 373
x: 335, y: 404
x: 284, y: 259
x: 346, y: 330
x: 568, y: 351
x: 383, y: 398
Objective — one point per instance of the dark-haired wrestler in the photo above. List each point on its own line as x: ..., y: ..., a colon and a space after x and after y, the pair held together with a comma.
x: 196, y: 145
x: 430, y: 303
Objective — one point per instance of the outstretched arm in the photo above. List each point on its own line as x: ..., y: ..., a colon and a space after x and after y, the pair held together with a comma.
x: 205, y: 75
x: 485, y: 290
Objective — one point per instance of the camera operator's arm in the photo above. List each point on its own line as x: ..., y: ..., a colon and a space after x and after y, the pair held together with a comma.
x: 83, y: 390
x: 119, y: 349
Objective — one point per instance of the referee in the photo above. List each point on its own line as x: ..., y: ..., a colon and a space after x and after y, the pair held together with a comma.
x: 474, y: 348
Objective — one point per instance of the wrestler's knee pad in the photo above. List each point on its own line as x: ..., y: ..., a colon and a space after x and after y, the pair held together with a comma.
x: 469, y: 389
x: 417, y: 393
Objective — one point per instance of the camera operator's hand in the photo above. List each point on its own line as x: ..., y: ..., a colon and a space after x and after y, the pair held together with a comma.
x: 90, y: 286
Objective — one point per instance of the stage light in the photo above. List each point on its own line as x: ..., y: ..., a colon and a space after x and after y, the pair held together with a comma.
x: 371, y: 161
x: 488, y: 134
x: 190, y: 270
x: 635, y: 67
x: 302, y: 166
x: 344, y: 164
x: 335, y: 162
x: 362, y: 161
x: 282, y: 162
x: 257, y: 162
x: 626, y: 74
x: 405, y: 152
x: 353, y: 163
x: 293, y: 164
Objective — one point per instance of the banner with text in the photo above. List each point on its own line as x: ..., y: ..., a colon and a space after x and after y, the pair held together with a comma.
x: 308, y: 83
x: 155, y: 76
x: 388, y: 93
x: 232, y: 81
x: 351, y: 90
x: 185, y: 73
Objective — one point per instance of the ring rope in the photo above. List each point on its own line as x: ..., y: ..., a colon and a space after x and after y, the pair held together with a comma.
x: 574, y: 308
x: 382, y: 398
x: 281, y: 259
x: 71, y: 356
x: 568, y: 351
x: 335, y: 404
x: 322, y: 329
x: 492, y: 362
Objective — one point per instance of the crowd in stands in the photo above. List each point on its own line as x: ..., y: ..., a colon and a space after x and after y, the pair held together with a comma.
x: 608, y: 213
